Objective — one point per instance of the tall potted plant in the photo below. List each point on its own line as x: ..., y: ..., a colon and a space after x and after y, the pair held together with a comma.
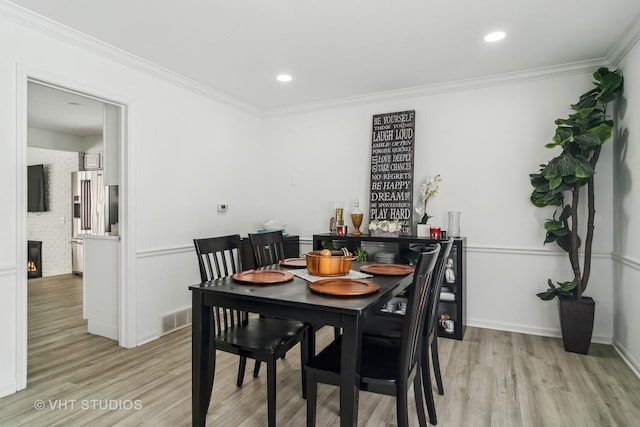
x: 561, y: 182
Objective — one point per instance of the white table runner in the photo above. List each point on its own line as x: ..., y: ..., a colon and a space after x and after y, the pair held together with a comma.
x: 304, y: 274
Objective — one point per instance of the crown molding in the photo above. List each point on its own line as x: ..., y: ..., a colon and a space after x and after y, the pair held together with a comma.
x: 56, y: 30
x: 581, y: 67
x: 625, y: 43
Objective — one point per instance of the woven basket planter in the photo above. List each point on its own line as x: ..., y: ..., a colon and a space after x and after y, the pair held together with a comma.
x: 576, y: 323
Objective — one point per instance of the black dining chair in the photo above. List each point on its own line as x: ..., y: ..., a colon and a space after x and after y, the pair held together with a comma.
x: 263, y: 339
x: 267, y: 248
x: 388, y: 326
x: 384, y: 368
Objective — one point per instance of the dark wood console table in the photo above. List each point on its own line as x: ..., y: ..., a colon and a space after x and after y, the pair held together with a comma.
x: 456, y: 307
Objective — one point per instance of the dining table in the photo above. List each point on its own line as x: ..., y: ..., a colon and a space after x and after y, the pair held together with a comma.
x: 294, y: 300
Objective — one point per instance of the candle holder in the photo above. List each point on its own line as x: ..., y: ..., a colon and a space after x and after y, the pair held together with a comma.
x: 356, y: 219
x: 434, y: 233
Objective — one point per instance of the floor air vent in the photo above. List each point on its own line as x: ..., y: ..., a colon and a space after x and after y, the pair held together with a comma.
x: 174, y: 321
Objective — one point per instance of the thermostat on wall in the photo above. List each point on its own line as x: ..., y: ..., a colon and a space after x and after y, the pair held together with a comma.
x: 222, y: 207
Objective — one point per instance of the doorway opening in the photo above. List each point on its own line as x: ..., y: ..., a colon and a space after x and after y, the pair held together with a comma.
x: 105, y: 144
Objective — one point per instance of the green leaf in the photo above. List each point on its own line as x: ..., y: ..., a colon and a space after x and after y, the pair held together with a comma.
x: 563, y: 134
x: 546, y: 296
x: 585, y: 103
x: 587, y: 140
x: 555, y: 182
x: 553, y: 225
x: 563, y: 242
x: 566, y: 213
x: 561, y: 232
x: 568, y: 165
x: 603, y: 131
x: 564, y: 289
x: 327, y: 244
x: 609, y: 83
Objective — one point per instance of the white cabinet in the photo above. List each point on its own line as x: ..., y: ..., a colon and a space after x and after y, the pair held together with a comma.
x: 92, y: 161
x: 101, y: 283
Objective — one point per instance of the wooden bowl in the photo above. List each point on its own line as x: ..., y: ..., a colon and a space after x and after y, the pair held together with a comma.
x: 338, y: 264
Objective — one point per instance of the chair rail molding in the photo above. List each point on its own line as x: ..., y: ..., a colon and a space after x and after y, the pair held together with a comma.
x: 8, y: 270
x: 171, y: 250
x: 626, y: 261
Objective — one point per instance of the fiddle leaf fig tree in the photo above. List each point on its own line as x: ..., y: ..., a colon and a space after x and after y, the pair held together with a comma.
x: 560, y: 182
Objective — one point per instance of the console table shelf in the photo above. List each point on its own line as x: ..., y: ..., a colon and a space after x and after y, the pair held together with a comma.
x: 456, y: 308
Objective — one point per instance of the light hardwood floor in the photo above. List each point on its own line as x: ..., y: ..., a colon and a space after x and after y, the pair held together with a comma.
x: 491, y: 378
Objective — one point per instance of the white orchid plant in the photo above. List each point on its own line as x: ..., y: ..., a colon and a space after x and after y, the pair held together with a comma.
x: 429, y: 190
x: 385, y: 225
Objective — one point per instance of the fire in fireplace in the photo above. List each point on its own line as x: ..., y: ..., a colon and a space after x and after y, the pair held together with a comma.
x: 34, y: 259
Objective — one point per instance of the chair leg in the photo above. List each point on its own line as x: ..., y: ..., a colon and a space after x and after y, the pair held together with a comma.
x: 417, y: 391
x: 436, y: 365
x: 256, y: 369
x: 304, y: 358
x: 312, y: 397
x: 426, y: 385
x: 402, y: 408
x: 271, y: 392
x: 241, y: 368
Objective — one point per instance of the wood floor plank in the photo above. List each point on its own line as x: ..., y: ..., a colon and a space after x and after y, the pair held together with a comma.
x: 492, y: 378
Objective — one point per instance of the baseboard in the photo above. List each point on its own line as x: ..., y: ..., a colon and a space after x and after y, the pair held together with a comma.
x: 523, y: 329
x: 148, y: 338
x: 627, y: 357
x: 102, y: 329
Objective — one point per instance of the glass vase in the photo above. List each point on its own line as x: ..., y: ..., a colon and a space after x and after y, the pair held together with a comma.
x: 454, y: 224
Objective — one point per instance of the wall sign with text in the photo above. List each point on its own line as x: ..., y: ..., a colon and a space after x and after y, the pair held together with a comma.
x: 392, y: 142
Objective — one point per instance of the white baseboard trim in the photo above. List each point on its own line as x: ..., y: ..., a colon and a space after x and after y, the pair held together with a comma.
x: 627, y: 357
x: 148, y: 338
x: 102, y: 329
x: 524, y: 329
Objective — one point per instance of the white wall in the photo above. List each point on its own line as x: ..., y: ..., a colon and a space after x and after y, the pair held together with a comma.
x: 41, y: 138
x: 484, y: 142
x: 626, y: 205
x: 189, y: 153
x: 53, y: 227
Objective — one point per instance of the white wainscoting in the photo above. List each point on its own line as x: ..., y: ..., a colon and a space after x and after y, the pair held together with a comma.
x: 163, y: 279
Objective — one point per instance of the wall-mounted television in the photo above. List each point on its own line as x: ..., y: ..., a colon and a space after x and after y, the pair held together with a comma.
x: 36, y: 198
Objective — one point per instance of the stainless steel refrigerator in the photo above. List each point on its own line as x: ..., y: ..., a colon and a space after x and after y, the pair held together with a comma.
x: 95, y: 211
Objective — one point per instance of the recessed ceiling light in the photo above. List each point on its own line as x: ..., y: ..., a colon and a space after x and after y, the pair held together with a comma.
x: 284, y: 78
x: 495, y: 36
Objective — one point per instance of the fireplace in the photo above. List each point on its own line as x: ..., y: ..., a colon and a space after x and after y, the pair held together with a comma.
x: 34, y: 259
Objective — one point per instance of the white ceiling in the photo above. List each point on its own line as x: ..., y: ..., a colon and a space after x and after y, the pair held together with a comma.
x: 346, y: 48
x: 60, y: 111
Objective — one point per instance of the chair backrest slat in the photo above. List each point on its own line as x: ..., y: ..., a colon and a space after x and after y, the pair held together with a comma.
x: 220, y: 257
x: 414, y: 319
x: 267, y: 248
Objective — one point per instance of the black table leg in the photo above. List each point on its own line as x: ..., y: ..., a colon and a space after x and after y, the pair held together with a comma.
x: 350, y: 365
x: 202, y: 363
